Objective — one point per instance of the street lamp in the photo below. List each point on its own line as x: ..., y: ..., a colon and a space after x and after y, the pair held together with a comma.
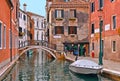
x: 100, y: 28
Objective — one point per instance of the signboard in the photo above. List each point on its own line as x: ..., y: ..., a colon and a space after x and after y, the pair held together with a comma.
x: 56, y: 36
x: 107, y: 27
x: 97, y: 30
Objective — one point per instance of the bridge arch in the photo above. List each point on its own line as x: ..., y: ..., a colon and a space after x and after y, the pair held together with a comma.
x: 38, y: 47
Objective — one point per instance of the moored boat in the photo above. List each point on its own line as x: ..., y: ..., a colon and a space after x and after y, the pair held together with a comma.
x: 85, y: 67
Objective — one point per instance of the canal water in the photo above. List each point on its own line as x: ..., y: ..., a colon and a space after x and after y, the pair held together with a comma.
x: 39, y: 67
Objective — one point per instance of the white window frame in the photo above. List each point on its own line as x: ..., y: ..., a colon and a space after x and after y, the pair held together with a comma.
x: 4, y: 37
x: 102, y: 5
x: 59, y: 15
x: 113, y: 46
x: 92, y: 6
x: 113, y: 22
x: 1, y: 34
x: 66, y: 0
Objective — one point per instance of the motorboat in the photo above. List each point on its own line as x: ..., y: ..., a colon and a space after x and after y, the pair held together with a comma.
x: 85, y: 67
x: 82, y: 77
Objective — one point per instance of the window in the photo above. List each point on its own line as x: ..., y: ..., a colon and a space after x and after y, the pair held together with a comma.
x: 37, y: 23
x: 59, y: 13
x: 66, y: 0
x: 113, y: 46
x: 0, y: 35
x: 59, y: 30
x: 92, y: 29
x: 20, y: 31
x: 112, y: 0
x: 19, y: 15
x: 37, y: 35
x: 72, y: 30
x: 42, y: 24
x: 4, y: 37
x: 30, y: 25
x: 100, y: 4
x: 24, y: 17
x: 114, y: 22
x: 92, y: 6
x: 72, y: 13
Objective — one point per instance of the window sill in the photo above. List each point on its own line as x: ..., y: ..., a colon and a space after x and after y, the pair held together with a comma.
x: 72, y: 19
x: 59, y: 19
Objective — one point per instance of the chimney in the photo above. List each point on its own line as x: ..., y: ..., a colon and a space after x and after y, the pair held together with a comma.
x: 24, y: 7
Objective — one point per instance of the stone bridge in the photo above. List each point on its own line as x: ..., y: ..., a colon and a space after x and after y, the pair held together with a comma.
x: 51, y: 51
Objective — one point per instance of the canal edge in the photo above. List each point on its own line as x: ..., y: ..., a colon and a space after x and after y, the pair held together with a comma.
x: 6, y: 69
x: 114, y: 75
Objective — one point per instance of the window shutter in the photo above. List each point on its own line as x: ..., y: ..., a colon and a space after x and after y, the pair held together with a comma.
x: 55, y: 13
x: 74, y: 13
x: 62, y: 29
x: 75, y: 30
x: 62, y: 13
x: 68, y: 29
x: 55, y: 30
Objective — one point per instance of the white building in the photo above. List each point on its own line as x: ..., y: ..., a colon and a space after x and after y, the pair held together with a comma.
x: 22, y: 28
x: 39, y: 33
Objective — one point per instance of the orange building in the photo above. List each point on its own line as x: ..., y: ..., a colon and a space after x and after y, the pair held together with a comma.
x: 30, y: 28
x: 6, y: 6
x: 7, y: 23
x: 14, y: 29
x: 107, y: 13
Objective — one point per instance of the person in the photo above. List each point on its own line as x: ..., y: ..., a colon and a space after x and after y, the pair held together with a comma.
x: 76, y: 57
x: 84, y: 50
x: 66, y: 50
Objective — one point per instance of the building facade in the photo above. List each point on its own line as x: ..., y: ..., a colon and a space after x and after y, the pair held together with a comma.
x: 39, y: 32
x: 23, y: 28
x: 68, y: 22
x: 8, y: 31
x: 14, y: 29
x: 30, y: 30
x: 105, y: 15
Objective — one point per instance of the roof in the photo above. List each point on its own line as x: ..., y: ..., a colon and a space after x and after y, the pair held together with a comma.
x: 34, y: 14
x: 10, y: 3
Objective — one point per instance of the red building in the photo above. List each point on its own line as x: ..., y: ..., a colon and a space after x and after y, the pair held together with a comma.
x: 8, y: 30
x: 14, y: 29
x: 107, y: 13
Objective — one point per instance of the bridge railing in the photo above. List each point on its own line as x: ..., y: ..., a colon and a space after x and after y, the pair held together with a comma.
x: 39, y: 43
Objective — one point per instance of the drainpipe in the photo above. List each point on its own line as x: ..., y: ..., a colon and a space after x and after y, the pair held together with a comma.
x: 11, y: 34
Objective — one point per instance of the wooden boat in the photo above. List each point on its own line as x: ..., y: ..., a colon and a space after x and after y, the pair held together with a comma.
x: 85, y: 67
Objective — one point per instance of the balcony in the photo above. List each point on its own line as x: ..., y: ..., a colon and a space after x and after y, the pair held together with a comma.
x: 21, y: 33
x: 72, y: 19
x: 59, y: 19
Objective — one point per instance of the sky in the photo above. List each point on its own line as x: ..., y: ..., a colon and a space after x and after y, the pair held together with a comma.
x: 35, y: 6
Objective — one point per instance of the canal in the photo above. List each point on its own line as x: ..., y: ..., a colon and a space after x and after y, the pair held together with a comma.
x: 39, y: 67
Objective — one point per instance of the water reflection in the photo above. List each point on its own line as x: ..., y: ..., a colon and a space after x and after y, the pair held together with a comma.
x: 38, y: 67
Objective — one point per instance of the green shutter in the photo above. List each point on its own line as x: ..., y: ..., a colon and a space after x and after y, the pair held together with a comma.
x: 55, y: 13
x: 62, y: 29
x: 55, y: 30
x: 68, y: 29
x: 62, y: 13
x: 75, y: 13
